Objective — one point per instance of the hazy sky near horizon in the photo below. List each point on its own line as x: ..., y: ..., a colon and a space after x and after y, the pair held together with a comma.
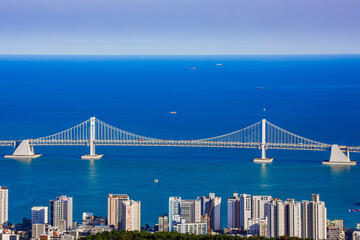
x: 179, y: 27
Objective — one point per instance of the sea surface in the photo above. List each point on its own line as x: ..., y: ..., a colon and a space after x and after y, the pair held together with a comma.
x: 314, y: 96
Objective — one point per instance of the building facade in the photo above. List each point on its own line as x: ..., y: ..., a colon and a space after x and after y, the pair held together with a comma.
x: 314, y: 218
x: 116, y: 210
x: 191, y: 210
x: 61, y: 209
x: 258, y: 227
x: 211, y: 206
x: 275, y: 214
x: 234, y: 212
x: 245, y: 211
x: 293, y: 218
x: 132, y: 215
x: 4, y: 204
x: 163, y: 223
x: 174, y: 209
x: 258, y: 206
x: 37, y: 230
x: 39, y: 215
x: 181, y: 226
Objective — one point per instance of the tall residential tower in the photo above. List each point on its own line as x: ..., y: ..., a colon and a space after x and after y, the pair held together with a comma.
x: 4, y: 204
x: 61, y: 209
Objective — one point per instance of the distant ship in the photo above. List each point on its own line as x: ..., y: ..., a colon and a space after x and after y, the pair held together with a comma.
x: 156, y: 181
x: 264, y: 109
x: 173, y: 112
x: 193, y: 68
x: 219, y: 64
x: 260, y: 87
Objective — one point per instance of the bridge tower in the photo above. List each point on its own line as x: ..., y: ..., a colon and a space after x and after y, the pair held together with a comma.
x: 263, y: 158
x: 92, y: 154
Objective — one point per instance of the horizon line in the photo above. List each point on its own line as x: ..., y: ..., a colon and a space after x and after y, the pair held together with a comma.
x: 255, y: 54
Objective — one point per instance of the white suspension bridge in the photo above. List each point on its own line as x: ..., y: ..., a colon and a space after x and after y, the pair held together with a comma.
x: 262, y: 135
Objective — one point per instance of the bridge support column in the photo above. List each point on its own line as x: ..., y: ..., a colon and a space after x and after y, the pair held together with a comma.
x: 25, y: 150
x: 337, y: 157
x: 92, y: 155
x: 263, y: 158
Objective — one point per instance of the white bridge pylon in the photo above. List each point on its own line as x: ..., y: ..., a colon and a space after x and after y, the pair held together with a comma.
x: 262, y: 135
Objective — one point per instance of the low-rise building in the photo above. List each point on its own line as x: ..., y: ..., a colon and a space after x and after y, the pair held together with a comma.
x: 356, y: 235
x: 181, y: 226
x: 335, y: 229
x: 257, y: 227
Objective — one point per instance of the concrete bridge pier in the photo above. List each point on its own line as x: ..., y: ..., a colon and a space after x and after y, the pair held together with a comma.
x: 337, y: 157
x: 25, y: 150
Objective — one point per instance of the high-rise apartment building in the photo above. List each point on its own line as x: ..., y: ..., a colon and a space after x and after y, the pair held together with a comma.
x: 275, y: 214
x: 194, y: 211
x: 4, y: 204
x: 234, y: 211
x: 314, y: 218
x: 293, y: 218
x: 124, y: 213
x: 257, y: 206
x: 116, y: 210
x: 174, y: 209
x: 211, y: 205
x: 39, y: 215
x: 61, y: 209
x: 163, y: 223
x: 191, y: 210
x: 245, y: 210
x: 132, y: 215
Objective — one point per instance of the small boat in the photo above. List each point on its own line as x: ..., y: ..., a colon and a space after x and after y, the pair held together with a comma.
x: 193, y: 68
x: 354, y: 210
x: 260, y: 87
x: 264, y: 109
x: 156, y: 180
x: 173, y: 112
x: 219, y: 64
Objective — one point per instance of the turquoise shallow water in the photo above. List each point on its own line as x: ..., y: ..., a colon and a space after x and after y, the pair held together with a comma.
x: 313, y: 96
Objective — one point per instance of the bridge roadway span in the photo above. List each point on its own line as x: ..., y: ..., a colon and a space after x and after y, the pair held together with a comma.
x: 93, y: 132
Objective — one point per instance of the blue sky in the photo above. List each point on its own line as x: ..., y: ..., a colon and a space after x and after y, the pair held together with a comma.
x: 123, y: 27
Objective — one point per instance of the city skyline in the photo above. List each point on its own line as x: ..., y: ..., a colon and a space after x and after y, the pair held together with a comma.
x: 249, y: 215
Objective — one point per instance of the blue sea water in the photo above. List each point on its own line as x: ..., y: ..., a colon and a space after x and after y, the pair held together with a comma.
x: 314, y: 96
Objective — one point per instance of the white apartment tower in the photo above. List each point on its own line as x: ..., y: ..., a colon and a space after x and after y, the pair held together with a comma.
x: 4, y: 204
x: 275, y: 213
x: 245, y: 210
x: 234, y: 211
x: 61, y: 209
x: 191, y: 210
x: 39, y: 215
x: 132, y: 215
x: 174, y: 209
x: 314, y: 218
x: 257, y: 206
x: 293, y: 218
